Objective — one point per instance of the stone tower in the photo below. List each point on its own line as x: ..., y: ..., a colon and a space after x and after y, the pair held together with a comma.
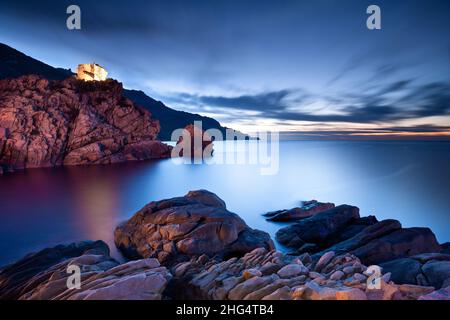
x: 91, y: 72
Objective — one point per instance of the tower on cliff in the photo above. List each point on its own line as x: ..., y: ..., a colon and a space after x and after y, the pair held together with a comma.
x: 91, y: 72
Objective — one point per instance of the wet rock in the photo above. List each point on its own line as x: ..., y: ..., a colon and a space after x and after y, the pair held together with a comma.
x: 368, y: 234
x: 436, y: 272
x: 401, y: 243
x: 320, y: 227
x: 404, y: 270
x: 308, y: 209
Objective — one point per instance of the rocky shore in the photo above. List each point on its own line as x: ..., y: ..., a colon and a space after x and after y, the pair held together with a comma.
x: 192, y: 247
x: 71, y: 122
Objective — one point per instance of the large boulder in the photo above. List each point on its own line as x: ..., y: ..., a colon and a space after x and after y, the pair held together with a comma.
x: 431, y: 269
x: 342, y: 230
x: 46, y: 275
x: 403, y: 270
x: 179, y: 228
x: 318, y: 228
x: 50, y: 123
x: 366, y: 235
x: 400, y: 243
x: 437, y: 273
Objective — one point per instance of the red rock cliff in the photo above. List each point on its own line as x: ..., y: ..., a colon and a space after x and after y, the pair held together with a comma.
x: 50, y: 123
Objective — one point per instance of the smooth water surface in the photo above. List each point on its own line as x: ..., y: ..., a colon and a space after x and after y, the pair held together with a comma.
x: 408, y: 181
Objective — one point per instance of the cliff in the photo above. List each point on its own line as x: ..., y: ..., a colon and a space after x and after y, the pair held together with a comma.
x: 50, y: 123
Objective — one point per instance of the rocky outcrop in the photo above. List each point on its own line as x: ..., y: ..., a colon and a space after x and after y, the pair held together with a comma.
x: 45, y: 275
x: 431, y: 269
x: 306, y: 210
x: 271, y: 275
x: 318, y: 228
x: 179, y: 228
x: 51, y: 123
x: 342, y: 230
x: 194, y: 143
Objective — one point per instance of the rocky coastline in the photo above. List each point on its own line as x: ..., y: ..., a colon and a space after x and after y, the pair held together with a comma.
x: 192, y: 247
x: 47, y: 123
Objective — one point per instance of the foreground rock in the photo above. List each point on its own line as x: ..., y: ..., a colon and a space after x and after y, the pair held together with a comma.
x: 51, y: 123
x: 425, y: 269
x: 271, y: 275
x: 342, y: 230
x: 306, y: 210
x: 179, y: 228
x: 44, y: 275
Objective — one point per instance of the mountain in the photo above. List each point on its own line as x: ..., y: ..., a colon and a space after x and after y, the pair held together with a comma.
x: 170, y: 119
x: 14, y: 63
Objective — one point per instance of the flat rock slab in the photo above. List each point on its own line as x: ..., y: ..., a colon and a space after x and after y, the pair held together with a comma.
x: 45, y: 275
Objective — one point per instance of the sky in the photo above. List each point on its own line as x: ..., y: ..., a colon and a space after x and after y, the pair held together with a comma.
x: 311, y: 69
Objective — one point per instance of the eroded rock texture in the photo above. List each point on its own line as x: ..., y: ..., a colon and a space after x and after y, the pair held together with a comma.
x: 342, y: 230
x: 306, y: 210
x: 44, y: 275
x: 271, y: 275
x: 179, y: 228
x: 50, y: 123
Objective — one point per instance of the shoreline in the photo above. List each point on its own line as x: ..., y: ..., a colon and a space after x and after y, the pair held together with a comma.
x: 200, y: 246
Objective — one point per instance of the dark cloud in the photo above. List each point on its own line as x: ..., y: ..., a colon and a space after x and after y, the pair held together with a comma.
x: 294, y: 60
x: 415, y: 102
x: 259, y: 102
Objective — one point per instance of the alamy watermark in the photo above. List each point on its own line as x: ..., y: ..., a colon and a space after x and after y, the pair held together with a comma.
x: 73, y: 21
x: 74, y: 280
x: 374, y: 20
x: 374, y: 279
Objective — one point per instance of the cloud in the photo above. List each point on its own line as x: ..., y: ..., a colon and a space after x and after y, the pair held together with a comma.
x: 395, y: 101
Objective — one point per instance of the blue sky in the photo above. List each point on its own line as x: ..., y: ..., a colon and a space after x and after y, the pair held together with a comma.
x: 299, y: 66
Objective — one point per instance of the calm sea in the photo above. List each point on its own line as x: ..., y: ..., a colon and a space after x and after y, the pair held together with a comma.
x: 408, y: 181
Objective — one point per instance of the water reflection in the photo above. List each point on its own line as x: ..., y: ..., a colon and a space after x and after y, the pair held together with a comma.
x: 409, y: 181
